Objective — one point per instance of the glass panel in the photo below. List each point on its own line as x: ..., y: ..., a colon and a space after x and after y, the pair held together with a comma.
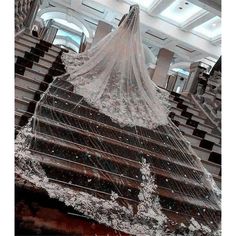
x: 179, y: 70
x: 64, y: 33
x: 68, y: 24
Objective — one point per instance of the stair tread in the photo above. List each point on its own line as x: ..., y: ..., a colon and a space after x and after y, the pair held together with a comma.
x: 120, y: 152
x: 193, y: 115
x: 134, y: 183
x: 160, y: 156
x: 179, y: 217
x: 202, y: 149
x: 191, y: 107
x: 28, y: 46
x: 35, y: 38
x: 198, y: 138
x: 70, y: 102
x: 206, y: 125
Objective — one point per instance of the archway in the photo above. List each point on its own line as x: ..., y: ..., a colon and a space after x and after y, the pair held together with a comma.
x: 67, y: 18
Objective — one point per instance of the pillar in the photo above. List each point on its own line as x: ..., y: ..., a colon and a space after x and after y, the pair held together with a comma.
x: 50, y: 32
x: 82, y: 43
x: 102, y: 30
x: 160, y: 75
x: 192, y: 82
x: 171, y: 82
x: 217, y: 66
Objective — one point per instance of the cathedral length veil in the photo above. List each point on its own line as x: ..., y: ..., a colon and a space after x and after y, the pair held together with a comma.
x: 111, y: 77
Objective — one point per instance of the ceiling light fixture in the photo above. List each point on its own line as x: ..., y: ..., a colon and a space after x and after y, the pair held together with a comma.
x: 178, y: 13
x: 210, y: 29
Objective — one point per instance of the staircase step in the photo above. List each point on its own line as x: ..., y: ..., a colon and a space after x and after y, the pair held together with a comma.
x: 217, y: 148
x: 130, y: 169
x: 199, y: 133
x: 206, y: 144
x: 193, y: 123
x: 27, y: 191
x: 35, y: 66
x: 85, y: 112
x: 129, y: 183
x: 33, y: 39
x: 36, y: 45
x: 190, y: 107
x: 208, y: 128
x: 161, y: 162
x: 24, y: 92
x: 55, y: 63
x: 202, y: 153
x: 19, y: 69
x: 23, y: 81
x: 182, y: 100
x: 215, y: 157
x: 214, y: 138
x: 23, y: 46
x: 117, y: 147
x: 217, y: 179
x: 212, y: 167
x: 181, y: 96
x: 193, y: 139
x: 33, y: 58
x: 198, y: 142
x: 205, y: 156
x: 62, y: 103
x: 186, y: 114
x: 208, y: 168
x: 209, y: 96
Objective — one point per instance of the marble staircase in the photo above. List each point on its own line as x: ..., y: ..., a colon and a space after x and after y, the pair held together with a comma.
x: 122, y: 149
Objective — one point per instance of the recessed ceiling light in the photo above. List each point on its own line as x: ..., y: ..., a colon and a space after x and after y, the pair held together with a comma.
x: 178, y: 12
x: 210, y: 29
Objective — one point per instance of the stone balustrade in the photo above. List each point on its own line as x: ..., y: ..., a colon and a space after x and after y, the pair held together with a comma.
x: 209, y: 95
x: 22, y: 8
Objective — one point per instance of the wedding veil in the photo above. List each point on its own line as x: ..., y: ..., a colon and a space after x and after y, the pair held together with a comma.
x: 100, y: 140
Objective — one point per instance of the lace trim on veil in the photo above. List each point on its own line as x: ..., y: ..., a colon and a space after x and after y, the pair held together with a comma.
x: 111, y: 76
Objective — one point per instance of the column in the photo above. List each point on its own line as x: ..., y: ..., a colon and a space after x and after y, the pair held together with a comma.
x: 217, y: 66
x: 50, y: 32
x: 102, y: 30
x: 171, y: 82
x: 192, y: 82
x: 82, y: 43
x: 160, y: 75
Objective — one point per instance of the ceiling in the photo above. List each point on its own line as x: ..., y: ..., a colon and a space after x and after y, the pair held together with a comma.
x: 191, y: 29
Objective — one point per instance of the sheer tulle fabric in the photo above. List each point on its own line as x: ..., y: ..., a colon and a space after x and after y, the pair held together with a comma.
x: 67, y: 130
x: 111, y: 76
